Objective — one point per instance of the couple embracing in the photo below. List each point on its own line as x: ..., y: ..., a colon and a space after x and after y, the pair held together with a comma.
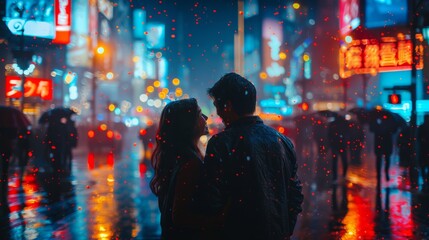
x: 244, y: 187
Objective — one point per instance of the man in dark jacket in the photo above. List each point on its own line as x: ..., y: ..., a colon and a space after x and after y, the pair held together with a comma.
x: 250, y: 168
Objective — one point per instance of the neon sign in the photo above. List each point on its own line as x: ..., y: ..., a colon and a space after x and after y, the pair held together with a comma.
x: 62, y: 22
x: 369, y: 56
x: 34, y: 87
x: 272, y: 33
x: 349, y: 16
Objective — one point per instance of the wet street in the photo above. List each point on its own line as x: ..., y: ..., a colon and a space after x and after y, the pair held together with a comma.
x: 108, y: 197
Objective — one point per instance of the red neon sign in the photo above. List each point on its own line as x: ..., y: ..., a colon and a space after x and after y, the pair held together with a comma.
x: 62, y: 21
x: 369, y: 56
x: 34, y: 87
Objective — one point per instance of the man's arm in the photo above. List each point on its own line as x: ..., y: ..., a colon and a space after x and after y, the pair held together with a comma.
x: 211, y: 194
x: 295, y: 196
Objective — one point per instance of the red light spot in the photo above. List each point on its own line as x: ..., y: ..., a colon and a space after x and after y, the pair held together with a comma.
x: 91, y: 134
x: 143, y: 169
x: 91, y: 162
x: 110, y: 159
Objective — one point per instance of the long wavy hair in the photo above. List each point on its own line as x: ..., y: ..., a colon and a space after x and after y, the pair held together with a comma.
x: 175, y: 141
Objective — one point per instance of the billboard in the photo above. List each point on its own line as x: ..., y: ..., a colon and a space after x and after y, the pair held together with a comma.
x: 78, y: 50
x: 45, y: 19
x: 155, y: 35
x: 36, y: 18
x: 383, y: 13
x: 251, y: 8
x: 370, y: 56
x: 349, y: 16
x: 34, y: 87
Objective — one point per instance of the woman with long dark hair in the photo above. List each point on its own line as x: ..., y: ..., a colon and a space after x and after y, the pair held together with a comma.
x: 177, y: 162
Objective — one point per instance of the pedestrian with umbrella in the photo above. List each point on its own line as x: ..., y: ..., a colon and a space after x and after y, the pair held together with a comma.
x: 383, y: 124
x: 356, y: 138
x: 337, y: 130
x: 60, y: 138
x: 12, y: 123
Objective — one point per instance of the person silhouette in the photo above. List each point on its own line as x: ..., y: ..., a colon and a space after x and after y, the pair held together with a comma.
x: 339, y: 210
x: 403, y: 142
x: 177, y: 161
x: 383, y: 144
x: 337, y: 135
x: 8, y: 138
x: 382, y: 215
x: 423, y: 140
x: 250, y: 166
x: 356, y: 137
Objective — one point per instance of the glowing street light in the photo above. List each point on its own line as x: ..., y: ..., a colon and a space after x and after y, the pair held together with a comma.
x: 100, y: 50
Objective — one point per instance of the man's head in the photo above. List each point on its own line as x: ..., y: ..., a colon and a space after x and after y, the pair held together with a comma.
x: 234, y: 96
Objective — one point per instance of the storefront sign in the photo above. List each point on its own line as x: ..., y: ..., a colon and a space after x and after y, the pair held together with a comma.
x: 370, y: 56
x: 34, y: 87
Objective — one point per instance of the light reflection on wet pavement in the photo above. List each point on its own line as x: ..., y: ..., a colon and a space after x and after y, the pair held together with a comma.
x: 108, y: 197
x: 355, y: 208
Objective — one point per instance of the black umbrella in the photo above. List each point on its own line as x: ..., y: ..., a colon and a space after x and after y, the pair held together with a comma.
x: 383, y: 120
x: 400, y: 121
x: 55, y: 115
x: 328, y: 113
x: 362, y: 114
x: 13, y: 118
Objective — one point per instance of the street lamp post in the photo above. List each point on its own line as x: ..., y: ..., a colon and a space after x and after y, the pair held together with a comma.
x: 99, y: 51
x: 93, y: 94
x: 414, y: 173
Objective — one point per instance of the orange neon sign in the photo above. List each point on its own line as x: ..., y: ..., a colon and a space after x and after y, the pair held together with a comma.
x: 369, y: 56
x: 34, y: 87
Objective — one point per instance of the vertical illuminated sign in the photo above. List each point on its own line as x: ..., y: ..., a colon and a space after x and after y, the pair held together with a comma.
x: 78, y: 50
x: 62, y: 21
x: 272, y: 33
x: 139, y: 21
x: 349, y: 16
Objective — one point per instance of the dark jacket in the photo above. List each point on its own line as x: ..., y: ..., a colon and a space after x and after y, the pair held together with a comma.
x: 383, y: 130
x: 252, y: 168
x: 337, y: 134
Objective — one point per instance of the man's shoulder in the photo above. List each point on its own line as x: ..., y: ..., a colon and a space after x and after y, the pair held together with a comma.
x: 220, y: 136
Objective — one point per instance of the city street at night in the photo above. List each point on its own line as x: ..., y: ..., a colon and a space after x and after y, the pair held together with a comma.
x: 132, y: 119
x: 107, y: 197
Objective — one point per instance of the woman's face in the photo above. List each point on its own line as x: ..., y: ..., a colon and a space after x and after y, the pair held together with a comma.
x: 201, y: 128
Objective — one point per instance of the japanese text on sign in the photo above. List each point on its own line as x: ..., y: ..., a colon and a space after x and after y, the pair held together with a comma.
x: 34, y: 87
x: 369, y: 56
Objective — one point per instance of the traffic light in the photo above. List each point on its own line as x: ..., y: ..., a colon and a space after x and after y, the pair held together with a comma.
x: 394, y: 98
